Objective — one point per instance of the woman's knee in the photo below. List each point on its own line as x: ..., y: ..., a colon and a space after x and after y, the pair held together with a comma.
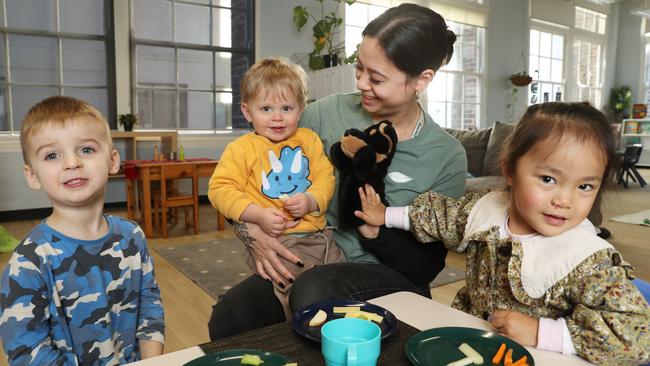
x: 249, y: 305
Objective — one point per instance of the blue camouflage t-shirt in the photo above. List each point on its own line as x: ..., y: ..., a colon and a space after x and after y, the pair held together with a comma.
x: 66, y: 301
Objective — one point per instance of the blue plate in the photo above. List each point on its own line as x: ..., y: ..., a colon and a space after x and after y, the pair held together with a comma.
x: 439, y: 346
x: 301, y: 318
x: 233, y: 358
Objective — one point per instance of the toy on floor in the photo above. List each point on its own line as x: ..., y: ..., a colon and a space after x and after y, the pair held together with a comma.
x: 362, y: 157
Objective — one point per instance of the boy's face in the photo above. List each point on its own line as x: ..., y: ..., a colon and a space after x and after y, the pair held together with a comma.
x: 554, y: 187
x: 274, y: 116
x: 71, y: 162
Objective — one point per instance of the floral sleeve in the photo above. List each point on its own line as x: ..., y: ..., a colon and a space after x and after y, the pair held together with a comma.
x: 610, y: 321
x: 433, y: 216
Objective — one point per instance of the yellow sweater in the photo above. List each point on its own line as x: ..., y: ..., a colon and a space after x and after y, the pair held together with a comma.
x: 252, y: 169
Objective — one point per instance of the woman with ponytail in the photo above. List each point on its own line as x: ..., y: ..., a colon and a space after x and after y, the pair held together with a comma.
x: 399, y: 55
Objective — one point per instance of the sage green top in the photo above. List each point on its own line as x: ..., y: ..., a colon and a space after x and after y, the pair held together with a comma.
x: 431, y: 161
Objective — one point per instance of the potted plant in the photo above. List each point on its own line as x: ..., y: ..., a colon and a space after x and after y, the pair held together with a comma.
x: 128, y: 120
x: 521, y: 78
x: 620, y: 102
x: 324, y: 30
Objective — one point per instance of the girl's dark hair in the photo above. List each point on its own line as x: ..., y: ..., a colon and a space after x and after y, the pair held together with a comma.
x: 414, y: 38
x: 549, y: 122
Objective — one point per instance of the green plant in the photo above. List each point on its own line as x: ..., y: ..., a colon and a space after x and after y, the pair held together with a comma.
x: 128, y: 120
x: 324, y: 31
x: 620, y: 102
x: 521, y: 78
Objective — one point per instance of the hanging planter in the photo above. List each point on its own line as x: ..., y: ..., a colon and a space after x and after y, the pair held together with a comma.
x: 521, y: 79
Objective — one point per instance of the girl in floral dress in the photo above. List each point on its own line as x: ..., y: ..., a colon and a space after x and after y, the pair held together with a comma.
x: 535, y: 267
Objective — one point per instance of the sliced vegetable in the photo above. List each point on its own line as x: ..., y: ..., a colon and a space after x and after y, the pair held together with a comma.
x: 291, y: 364
x: 499, y: 355
x: 471, y: 353
x: 508, y: 360
x: 462, y: 362
x: 253, y: 360
x: 365, y: 315
x: 521, y: 361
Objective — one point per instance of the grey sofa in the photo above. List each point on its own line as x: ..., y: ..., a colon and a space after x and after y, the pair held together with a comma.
x: 483, y: 148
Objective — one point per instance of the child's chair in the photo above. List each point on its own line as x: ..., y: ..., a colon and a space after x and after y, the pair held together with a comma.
x: 172, y: 198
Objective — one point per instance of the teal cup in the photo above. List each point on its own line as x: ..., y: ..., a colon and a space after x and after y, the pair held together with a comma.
x: 350, y: 342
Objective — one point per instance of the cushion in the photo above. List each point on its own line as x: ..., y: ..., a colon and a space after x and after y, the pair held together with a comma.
x: 475, y: 142
x: 491, y: 182
x: 491, y: 161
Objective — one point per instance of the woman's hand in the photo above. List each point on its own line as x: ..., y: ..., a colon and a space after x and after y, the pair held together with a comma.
x: 265, y: 250
x: 518, y: 326
x: 374, y: 211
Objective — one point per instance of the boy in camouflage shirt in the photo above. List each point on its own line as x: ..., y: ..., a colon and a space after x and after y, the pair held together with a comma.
x: 80, y: 288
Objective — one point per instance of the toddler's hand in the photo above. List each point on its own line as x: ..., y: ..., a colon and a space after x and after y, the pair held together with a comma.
x: 518, y: 326
x: 299, y: 204
x: 374, y: 211
x: 272, y: 221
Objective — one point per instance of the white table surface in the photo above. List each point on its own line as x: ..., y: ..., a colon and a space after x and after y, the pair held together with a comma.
x: 415, y: 310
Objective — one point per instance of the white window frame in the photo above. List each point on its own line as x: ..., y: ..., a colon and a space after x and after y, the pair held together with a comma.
x: 561, y: 31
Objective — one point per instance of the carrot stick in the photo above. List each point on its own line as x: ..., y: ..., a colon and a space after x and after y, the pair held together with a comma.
x: 521, y: 361
x: 499, y: 355
x: 508, y: 360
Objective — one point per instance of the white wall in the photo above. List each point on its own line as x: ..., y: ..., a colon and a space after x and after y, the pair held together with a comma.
x: 630, y: 49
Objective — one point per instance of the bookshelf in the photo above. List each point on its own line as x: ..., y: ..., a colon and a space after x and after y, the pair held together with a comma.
x: 634, y: 131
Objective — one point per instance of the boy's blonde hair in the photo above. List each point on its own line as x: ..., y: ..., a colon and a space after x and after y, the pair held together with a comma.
x: 58, y: 110
x: 274, y: 75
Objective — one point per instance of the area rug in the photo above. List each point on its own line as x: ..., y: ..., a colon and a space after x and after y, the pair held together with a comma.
x: 638, y: 218
x: 218, y: 265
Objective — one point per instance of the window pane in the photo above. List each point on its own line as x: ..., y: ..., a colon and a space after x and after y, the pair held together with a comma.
x: 157, y: 108
x: 352, y: 39
x: 33, y: 59
x: 223, y: 109
x: 356, y: 14
x: 225, y: 3
x: 24, y: 97
x: 92, y: 21
x: 438, y: 111
x: 533, y: 70
x: 3, y: 72
x: 437, y: 90
x: 470, y: 116
x: 192, y: 24
x: 31, y: 14
x: 556, y: 71
x: 84, y: 62
x: 471, y: 60
x: 534, y: 42
x: 155, y: 65
x: 222, y: 71
x: 471, y: 90
x: 558, y: 47
x: 195, y: 69
x: 222, y: 29
x: 153, y: 19
x: 98, y: 98
x: 375, y: 11
x: 4, y: 120
x: 544, y: 68
x: 545, y: 44
x: 199, y: 113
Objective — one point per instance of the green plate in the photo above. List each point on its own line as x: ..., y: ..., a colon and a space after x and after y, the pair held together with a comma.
x: 439, y: 346
x: 233, y: 358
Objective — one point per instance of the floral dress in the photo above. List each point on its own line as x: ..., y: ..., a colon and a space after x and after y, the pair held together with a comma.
x: 575, y: 275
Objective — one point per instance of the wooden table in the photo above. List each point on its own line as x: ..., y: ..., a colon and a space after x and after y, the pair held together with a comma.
x: 148, y: 171
x: 415, y: 310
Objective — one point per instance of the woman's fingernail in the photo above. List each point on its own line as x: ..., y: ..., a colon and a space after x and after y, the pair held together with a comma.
x: 281, y: 285
x: 291, y: 280
x: 300, y: 264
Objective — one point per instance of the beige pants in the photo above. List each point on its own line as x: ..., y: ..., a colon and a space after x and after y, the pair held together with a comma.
x: 313, y: 249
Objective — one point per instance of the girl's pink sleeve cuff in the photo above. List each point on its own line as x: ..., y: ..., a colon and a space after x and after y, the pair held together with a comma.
x: 397, y: 217
x: 553, y: 335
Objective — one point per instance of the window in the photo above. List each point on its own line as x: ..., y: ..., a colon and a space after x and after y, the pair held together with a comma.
x: 454, y: 96
x: 188, y: 55
x: 546, y: 67
x: 52, y: 48
x: 574, y: 74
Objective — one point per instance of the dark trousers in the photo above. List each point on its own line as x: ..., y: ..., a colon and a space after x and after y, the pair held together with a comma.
x: 251, y: 304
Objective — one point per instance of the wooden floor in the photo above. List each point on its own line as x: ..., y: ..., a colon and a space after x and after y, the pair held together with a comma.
x: 187, y: 306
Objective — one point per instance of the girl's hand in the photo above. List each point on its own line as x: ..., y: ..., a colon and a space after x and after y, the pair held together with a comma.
x: 374, y: 211
x: 265, y: 251
x: 518, y: 326
x: 300, y: 204
x: 272, y: 221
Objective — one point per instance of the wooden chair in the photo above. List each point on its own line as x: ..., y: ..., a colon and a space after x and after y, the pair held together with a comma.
x: 172, y: 198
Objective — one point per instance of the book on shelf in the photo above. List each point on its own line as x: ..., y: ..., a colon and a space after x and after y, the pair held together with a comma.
x: 631, y: 127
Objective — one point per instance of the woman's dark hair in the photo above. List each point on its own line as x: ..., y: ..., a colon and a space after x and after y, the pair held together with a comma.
x: 550, y: 122
x: 413, y: 37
